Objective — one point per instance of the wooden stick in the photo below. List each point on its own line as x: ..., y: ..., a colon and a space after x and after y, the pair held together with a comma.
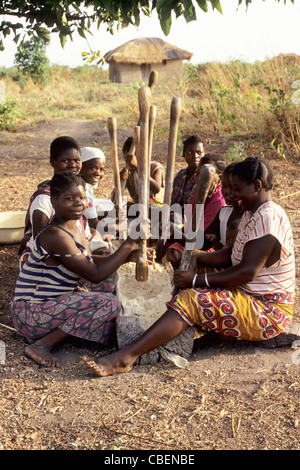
x: 289, y: 195
x: 175, y: 111
x: 151, y: 82
x: 8, y: 327
x: 112, y: 130
x: 153, y: 77
x: 136, y: 140
x: 141, y: 273
x: 152, y: 118
x: 204, y: 183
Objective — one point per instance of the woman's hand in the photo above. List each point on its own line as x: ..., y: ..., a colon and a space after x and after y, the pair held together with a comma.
x: 183, y: 279
x: 151, y: 255
x: 211, y: 237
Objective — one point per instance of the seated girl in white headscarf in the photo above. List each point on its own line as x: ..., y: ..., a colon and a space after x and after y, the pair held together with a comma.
x: 93, y: 161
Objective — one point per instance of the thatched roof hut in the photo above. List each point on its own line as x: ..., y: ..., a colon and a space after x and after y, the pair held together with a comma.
x: 134, y: 60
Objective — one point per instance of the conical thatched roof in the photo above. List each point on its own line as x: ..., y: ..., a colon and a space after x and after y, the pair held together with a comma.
x: 146, y: 51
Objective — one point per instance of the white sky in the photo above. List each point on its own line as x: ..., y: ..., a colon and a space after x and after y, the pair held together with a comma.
x: 265, y: 30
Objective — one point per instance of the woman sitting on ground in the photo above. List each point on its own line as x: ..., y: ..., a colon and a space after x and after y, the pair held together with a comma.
x: 250, y: 298
x: 63, y: 290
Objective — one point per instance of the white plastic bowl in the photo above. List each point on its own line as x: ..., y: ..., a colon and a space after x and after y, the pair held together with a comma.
x: 12, y: 226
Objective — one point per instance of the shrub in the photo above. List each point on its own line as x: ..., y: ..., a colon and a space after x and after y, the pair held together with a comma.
x: 9, y: 114
x: 31, y: 61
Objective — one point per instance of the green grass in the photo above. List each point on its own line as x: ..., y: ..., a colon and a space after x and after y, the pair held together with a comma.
x: 233, y: 99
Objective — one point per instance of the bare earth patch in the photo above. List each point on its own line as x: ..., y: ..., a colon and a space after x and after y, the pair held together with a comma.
x: 232, y: 396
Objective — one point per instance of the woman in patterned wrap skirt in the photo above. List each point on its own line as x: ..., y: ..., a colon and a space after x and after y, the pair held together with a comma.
x: 62, y: 290
x: 245, y: 291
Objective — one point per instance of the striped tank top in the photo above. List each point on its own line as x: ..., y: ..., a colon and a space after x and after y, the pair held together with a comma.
x: 268, y: 219
x: 38, y: 282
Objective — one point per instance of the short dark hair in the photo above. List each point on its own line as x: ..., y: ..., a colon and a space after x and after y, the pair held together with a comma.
x: 127, y: 144
x: 60, y: 182
x: 228, y: 169
x: 255, y: 168
x: 62, y: 143
x: 218, y: 161
x: 192, y: 139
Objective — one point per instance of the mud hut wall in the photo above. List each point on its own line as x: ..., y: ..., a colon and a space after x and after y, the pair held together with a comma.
x: 129, y: 73
x: 171, y: 69
x: 125, y: 73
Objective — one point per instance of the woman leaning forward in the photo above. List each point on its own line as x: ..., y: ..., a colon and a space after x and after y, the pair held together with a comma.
x: 245, y: 291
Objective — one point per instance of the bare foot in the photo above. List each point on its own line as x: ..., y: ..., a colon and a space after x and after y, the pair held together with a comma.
x: 107, y: 365
x: 41, y: 354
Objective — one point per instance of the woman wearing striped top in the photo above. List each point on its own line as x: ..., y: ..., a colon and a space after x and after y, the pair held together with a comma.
x: 62, y: 290
x: 243, y: 292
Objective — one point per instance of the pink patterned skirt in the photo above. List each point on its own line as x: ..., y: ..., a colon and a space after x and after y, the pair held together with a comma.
x: 88, y: 313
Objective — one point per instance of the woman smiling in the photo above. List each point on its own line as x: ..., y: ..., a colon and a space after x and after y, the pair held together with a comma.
x: 244, y: 292
x: 62, y: 290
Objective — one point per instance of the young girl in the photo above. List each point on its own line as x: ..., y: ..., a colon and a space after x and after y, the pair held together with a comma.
x: 64, y: 156
x: 62, y: 290
x: 215, y: 199
x: 216, y: 232
x: 129, y: 177
x: 184, y: 183
x: 92, y: 171
x: 251, y: 299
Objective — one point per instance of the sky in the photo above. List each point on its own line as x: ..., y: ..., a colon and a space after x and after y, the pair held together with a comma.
x: 263, y: 31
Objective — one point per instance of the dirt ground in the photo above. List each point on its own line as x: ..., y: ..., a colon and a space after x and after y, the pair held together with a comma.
x: 232, y: 396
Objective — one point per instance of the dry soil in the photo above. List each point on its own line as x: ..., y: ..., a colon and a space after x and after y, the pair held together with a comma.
x: 231, y: 396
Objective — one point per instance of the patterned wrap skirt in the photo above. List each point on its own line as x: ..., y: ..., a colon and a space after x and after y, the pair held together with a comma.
x: 234, y: 312
x: 88, y: 313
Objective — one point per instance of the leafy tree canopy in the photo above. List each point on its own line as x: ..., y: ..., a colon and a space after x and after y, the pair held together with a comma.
x: 32, y: 61
x: 64, y: 17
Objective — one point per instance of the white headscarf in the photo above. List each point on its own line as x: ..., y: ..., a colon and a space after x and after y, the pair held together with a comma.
x: 88, y: 153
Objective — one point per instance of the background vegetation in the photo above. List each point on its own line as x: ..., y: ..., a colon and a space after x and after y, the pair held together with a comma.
x: 258, y: 101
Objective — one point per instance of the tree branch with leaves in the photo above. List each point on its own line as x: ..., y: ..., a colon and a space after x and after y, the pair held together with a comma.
x: 42, y: 19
